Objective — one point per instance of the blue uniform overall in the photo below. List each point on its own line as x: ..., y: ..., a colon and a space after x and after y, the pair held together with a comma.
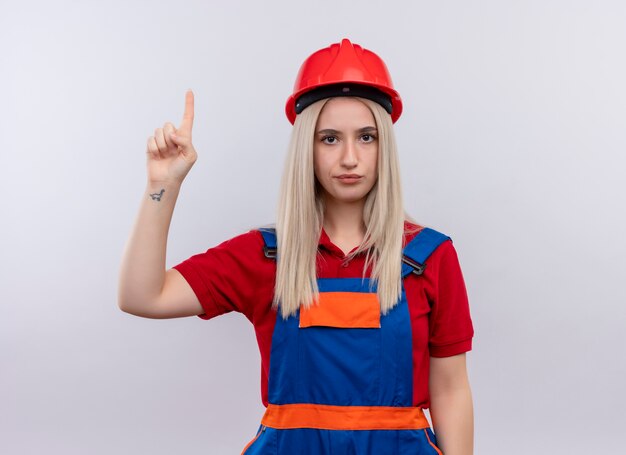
x: 340, y: 377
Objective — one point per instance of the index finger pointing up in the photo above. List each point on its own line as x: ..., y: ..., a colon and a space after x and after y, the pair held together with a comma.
x: 187, y: 123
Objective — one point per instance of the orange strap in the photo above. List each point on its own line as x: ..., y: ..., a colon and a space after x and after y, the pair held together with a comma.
x: 329, y: 417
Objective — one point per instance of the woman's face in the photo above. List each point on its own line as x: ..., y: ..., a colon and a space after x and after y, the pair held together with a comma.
x: 345, y: 150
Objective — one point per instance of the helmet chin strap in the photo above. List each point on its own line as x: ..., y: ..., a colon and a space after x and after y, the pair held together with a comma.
x: 330, y: 91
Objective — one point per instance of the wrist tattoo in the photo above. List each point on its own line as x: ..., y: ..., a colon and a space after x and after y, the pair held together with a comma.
x: 157, y: 196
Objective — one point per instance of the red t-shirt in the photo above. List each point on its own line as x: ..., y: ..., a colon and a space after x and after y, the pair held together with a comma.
x: 236, y: 276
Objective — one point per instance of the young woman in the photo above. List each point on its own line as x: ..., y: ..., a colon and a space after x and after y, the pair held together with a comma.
x: 361, y: 314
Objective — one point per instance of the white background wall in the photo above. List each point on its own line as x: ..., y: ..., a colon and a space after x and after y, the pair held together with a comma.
x: 512, y: 142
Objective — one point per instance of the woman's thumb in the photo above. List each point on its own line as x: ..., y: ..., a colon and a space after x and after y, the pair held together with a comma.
x: 179, y: 140
x: 183, y: 142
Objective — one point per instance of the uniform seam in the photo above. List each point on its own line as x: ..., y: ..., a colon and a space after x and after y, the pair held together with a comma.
x: 448, y: 343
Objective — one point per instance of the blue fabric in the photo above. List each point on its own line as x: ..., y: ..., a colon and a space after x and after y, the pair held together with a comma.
x: 269, y: 236
x: 346, y: 366
x: 343, y: 366
x: 309, y: 441
x: 421, y: 247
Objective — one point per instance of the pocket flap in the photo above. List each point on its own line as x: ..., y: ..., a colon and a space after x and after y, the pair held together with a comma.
x: 344, y: 310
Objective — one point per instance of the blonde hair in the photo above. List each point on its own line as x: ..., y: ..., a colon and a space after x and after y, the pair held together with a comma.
x: 301, y: 214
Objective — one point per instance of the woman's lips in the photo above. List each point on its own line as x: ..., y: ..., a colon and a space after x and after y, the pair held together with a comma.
x: 349, y: 178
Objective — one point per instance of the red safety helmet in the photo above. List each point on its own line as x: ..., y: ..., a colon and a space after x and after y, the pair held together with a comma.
x: 343, y: 69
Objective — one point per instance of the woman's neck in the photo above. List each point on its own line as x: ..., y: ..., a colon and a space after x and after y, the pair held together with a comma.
x: 343, y: 222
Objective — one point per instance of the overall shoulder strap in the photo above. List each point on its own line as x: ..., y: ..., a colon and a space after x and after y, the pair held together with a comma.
x: 419, y: 249
x: 269, y: 237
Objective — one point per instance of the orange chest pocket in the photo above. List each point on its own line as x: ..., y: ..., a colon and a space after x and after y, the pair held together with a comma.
x: 343, y: 310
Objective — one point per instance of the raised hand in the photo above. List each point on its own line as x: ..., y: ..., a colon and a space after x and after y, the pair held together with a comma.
x: 170, y: 153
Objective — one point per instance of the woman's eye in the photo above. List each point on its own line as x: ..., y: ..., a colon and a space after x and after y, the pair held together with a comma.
x: 329, y: 139
x: 368, y: 138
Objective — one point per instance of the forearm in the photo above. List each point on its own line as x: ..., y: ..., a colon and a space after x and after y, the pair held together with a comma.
x: 142, y: 269
x: 453, y: 419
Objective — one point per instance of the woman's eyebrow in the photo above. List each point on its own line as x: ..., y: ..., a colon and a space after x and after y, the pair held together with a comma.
x: 365, y: 129
x: 327, y: 131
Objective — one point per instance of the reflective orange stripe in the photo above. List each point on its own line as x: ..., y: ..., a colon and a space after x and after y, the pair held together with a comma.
x: 328, y: 417
x: 431, y: 443
x: 343, y: 309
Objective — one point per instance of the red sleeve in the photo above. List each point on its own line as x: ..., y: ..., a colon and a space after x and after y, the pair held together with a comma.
x: 225, y: 277
x: 450, y: 323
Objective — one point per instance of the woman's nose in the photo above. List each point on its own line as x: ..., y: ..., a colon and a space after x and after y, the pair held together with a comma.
x: 349, y: 157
